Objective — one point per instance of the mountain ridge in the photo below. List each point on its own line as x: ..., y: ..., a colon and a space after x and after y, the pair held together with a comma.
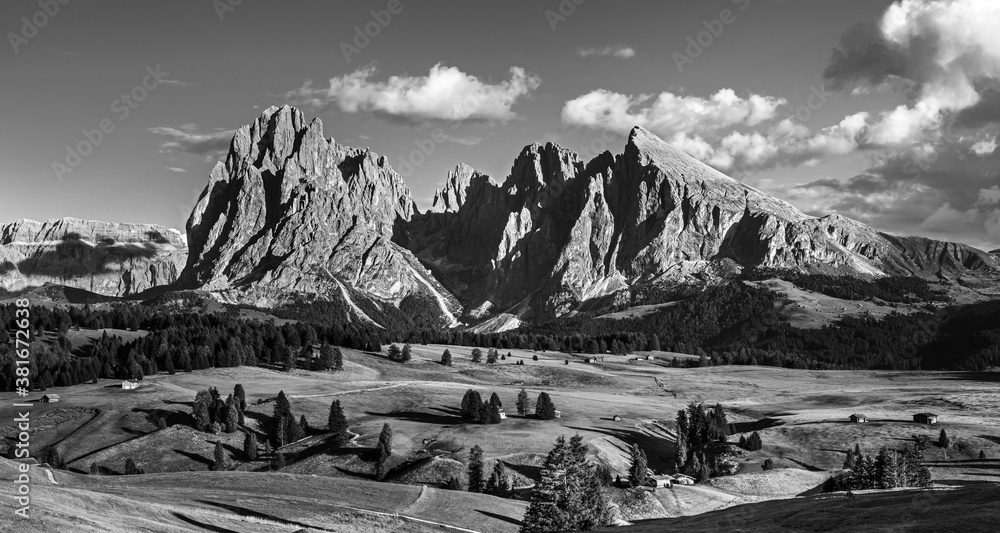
x: 289, y: 212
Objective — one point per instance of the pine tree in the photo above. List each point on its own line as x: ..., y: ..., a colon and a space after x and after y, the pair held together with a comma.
x: 279, y: 461
x: 491, y: 356
x: 200, y: 410
x: 569, y: 495
x: 406, y: 354
x: 250, y: 446
x: 241, y: 396
x: 754, y: 443
x: 477, y: 355
x: 523, y: 402
x: 304, y: 424
x: 637, y: 470
x: 495, y: 400
x: 394, y: 353
x: 446, y: 358
x: 385, y: 438
x: 337, y: 423
x: 130, y: 467
x: 499, y: 482
x: 232, y: 416
x: 544, y: 408
x: 943, y: 440
x: 220, y: 457
x: 475, y: 469
x: 471, y: 405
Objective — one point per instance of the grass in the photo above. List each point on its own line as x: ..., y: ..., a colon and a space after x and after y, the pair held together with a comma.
x: 800, y: 414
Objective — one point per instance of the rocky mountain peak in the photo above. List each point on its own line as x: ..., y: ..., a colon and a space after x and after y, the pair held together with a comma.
x: 450, y: 198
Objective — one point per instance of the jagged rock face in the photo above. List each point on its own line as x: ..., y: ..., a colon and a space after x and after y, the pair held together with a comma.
x: 101, y: 257
x: 292, y: 212
x: 560, y: 234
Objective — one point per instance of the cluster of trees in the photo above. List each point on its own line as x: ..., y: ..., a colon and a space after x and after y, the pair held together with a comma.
x: 283, y: 428
x: 697, y: 427
x: 474, y: 409
x: 570, y: 495
x: 400, y: 355
x: 176, y: 341
x: 901, y: 289
x: 639, y: 469
x: 210, y: 412
x: 499, y: 482
x: 752, y: 444
x: 736, y: 324
x: 888, y: 469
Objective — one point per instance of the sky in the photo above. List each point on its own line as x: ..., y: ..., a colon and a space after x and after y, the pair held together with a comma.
x: 883, y: 111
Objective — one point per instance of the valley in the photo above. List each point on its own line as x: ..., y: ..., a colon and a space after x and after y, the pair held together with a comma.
x: 801, y: 416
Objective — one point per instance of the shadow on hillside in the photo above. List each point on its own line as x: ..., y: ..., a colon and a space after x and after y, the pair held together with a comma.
x: 195, y: 457
x: 991, y: 438
x: 659, y: 451
x: 202, y: 525
x: 419, y: 416
x: 757, y: 425
x: 172, y: 418
x: 988, y: 377
x: 250, y: 513
x: 533, y: 473
x: 500, y: 517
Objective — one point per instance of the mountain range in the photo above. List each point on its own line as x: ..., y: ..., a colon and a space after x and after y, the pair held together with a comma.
x: 290, y: 212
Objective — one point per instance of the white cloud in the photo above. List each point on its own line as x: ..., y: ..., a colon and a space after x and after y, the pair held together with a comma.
x: 982, y: 148
x: 669, y: 114
x: 446, y: 93
x: 619, y: 51
x: 176, y: 169
x: 464, y: 141
x: 989, y: 196
x: 187, y: 139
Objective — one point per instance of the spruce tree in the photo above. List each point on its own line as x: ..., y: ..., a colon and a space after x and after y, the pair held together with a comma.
x: 385, y: 438
x: 637, y: 470
x: 446, y: 358
x: 475, y: 469
x: 406, y: 354
x: 943, y: 440
x: 250, y: 446
x: 130, y: 467
x: 522, y: 402
x: 337, y: 423
x: 477, y: 355
x: 544, y: 408
x: 495, y: 400
x: 569, y: 495
x: 499, y: 482
x: 395, y: 353
x: 220, y: 457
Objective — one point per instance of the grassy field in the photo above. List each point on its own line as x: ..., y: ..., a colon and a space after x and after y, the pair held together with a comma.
x: 801, y: 416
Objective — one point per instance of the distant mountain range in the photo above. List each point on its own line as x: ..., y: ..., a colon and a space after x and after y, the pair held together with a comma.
x: 290, y: 212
